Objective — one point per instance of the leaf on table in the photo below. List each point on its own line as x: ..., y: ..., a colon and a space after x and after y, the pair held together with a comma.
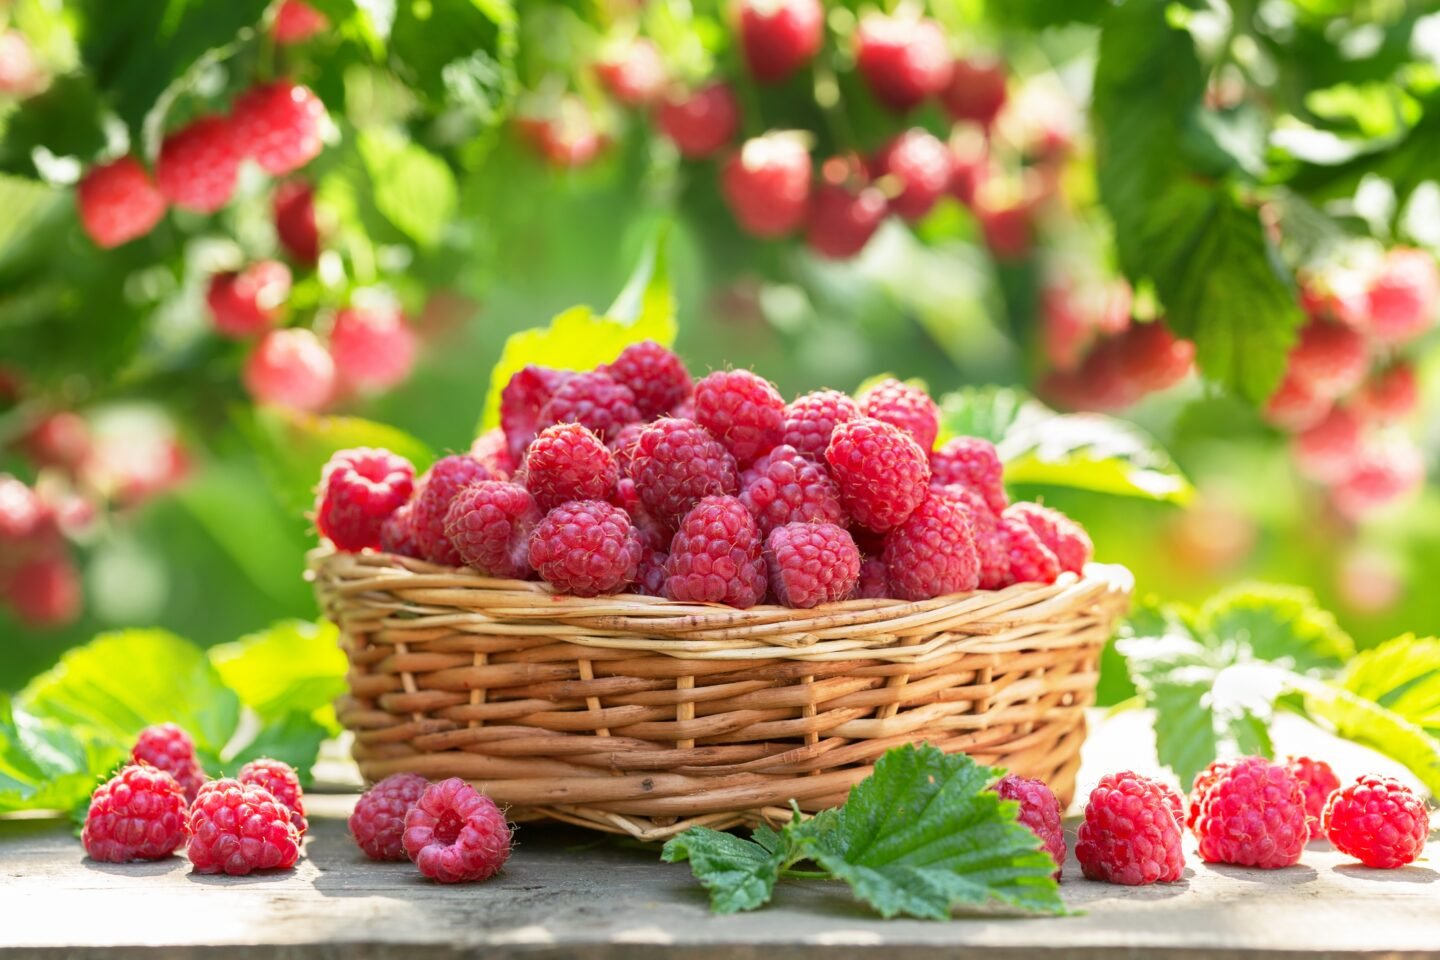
x: 292, y: 667
x: 45, y: 765
x: 740, y: 874
x: 1357, y: 718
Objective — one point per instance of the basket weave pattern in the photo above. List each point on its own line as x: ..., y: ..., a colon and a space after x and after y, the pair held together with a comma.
x: 641, y: 716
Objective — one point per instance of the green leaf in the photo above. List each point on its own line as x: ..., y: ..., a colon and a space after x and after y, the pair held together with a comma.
x: 291, y: 668
x: 414, y: 189
x: 1284, y: 625
x: 458, y: 53
x: 1401, y: 675
x: 1365, y: 721
x: 65, y: 120
x: 294, y: 738
x: 740, y: 874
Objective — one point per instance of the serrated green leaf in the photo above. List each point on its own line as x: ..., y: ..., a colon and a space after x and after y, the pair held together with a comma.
x: 414, y: 189
x: 1281, y: 624
x: 294, y: 738
x: 292, y: 668
x: 1401, y: 675
x: 740, y: 874
x: 1365, y: 721
x: 65, y: 120
x: 458, y: 53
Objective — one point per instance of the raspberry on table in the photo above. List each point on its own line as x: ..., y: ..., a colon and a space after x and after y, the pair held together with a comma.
x: 1039, y: 810
x: 594, y: 400
x: 397, y: 536
x: 279, y: 125
x: 1378, y: 821
x: 295, y: 224
x: 283, y: 783
x: 716, y: 557
x: 882, y: 472
x: 784, y: 487
x: 675, y: 463
x: 843, y: 218
x: 656, y: 376
x: 250, y: 301
x: 975, y: 463
x: 359, y: 490
x: 1203, y: 781
x: 976, y: 92
x: 118, y: 202
x: 634, y: 75
x: 1319, y: 781
x: 297, y: 21
x: 493, y: 452
x: 568, y: 462
x: 237, y: 828
x: 290, y: 368
x: 456, y: 834
x: 1402, y: 296
x: 373, y: 348
x: 1329, y: 358
x: 586, y: 548
x: 873, y: 583
x: 766, y: 184
x: 138, y: 814
x: 907, y: 407
x: 522, y: 399
x: 811, y: 563
x: 699, y: 123
x: 1253, y: 815
x: 378, y: 821
x: 923, y: 167
x: 812, y: 418
x: 433, y: 495
x: 167, y: 747
x: 932, y: 553
x: 199, y: 164
x: 1063, y: 536
x: 903, y: 59
x: 779, y: 37
x: 1130, y: 835
x: 489, y: 523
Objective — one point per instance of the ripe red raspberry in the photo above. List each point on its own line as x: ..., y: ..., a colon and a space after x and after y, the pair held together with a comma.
x: 811, y: 563
x: 61, y: 439
x: 297, y: 21
x: 873, y: 584
x: 716, y: 556
x: 634, y: 75
x: 1149, y: 358
x: 969, y: 162
x: 118, y: 202
x: 675, y: 464
x: 593, y: 399
x: 779, y: 37
x: 1065, y: 538
x: 295, y: 223
x: 22, y: 513
x: 568, y: 462
x: 248, y: 302
x: 1253, y: 815
x: 767, y: 184
x: 397, y: 535
x: 907, y: 407
x: 489, y: 523
x: 198, y: 165
x: 843, y: 218
x: 743, y: 411
x: 701, y: 122
x: 1294, y: 406
x: 991, y: 544
x: 973, y: 463
x: 1329, y: 358
x: 433, y: 495
x: 492, y: 450
x: 566, y: 136
x: 977, y: 90
x: 1129, y: 835
x: 650, y: 575
x: 882, y: 472
x: 1389, y: 395
x: 278, y: 125
x: 44, y: 592
x: 283, y: 783
x: 290, y: 368
x: 237, y: 828
x: 622, y: 446
x: 785, y: 487
x: 656, y: 377
x: 373, y: 348
x: 1318, y: 781
x: 932, y: 553
x: 1006, y: 222
x: 1027, y: 558
x: 1328, y: 451
x: 812, y: 418
x: 378, y: 821
x: 165, y: 746
x: 1382, y: 473
x: 586, y: 548
x: 1173, y: 800
x: 921, y: 165
x: 359, y: 490
x: 138, y: 814
x: 1402, y: 296
x: 903, y: 59
x: 456, y: 834
x: 521, y: 401
x: 1378, y: 821
x: 1039, y: 810
x: 1204, y: 780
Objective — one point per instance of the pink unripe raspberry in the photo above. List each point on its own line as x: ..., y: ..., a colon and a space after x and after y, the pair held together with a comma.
x: 199, y: 164
x: 434, y: 493
x: 279, y: 125
x: 812, y: 418
x: 378, y: 822
x: 1402, y: 296
x: 811, y: 563
x: 568, y: 462
x: 61, y: 439
x: 1378, y: 821
x: 586, y: 548
x: 490, y: 522
x: 456, y: 834
x: 742, y: 410
x: 635, y: 74
x: 655, y: 375
x: 373, y: 348
x: 359, y: 490
x: 290, y: 368
x: 1129, y: 835
x: 675, y: 463
x: 20, y: 75
x: 297, y: 21
x: 295, y: 222
x: 250, y: 301
x: 165, y: 746
x: 700, y: 122
x: 1039, y: 810
x: 932, y: 552
x: 779, y: 37
x: 118, y: 202
x: 903, y: 59
x: 237, y: 828
x: 766, y: 184
x: 1253, y: 815
x: 716, y: 557
x: 1383, y: 473
x: 138, y: 814
x: 907, y: 407
x: 882, y: 472
x: 283, y: 783
x: 921, y: 166
x: 22, y: 513
x: 976, y: 92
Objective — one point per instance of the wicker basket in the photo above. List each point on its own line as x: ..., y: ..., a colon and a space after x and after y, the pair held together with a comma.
x: 640, y: 716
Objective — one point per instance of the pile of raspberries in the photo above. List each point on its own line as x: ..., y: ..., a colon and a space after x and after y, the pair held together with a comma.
x: 632, y: 477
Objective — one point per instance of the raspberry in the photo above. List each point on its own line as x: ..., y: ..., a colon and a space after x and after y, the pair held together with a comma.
x: 780, y: 36
x: 784, y: 487
x: 290, y: 368
x: 198, y: 165
x: 811, y: 563
x: 1381, y: 474
x: 568, y: 462
x: 20, y: 75
x: 237, y: 828
x: 586, y: 548
x: 138, y: 814
x: 397, y: 535
x: 1335, y: 295
x: 622, y: 446
x: 456, y: 834
x: 361, y: 489
x: 656, y: 377
x: 1204, y: 780
x: 1378, y: 821
x: 1253, y: 815
x: 165, y: 746
x: 903, y: 59
x: 493, y: 452
x: 675, y: 463
x: 1294, y: 406
x: 1173, y: 800
x: 882, y: 472
x: 278, y: 125
x: 972, y: 463
x: 1389, y: 395
x: 1329, y: 358
x: 701, y: 122
x: 767, y: 184
x: 650, y: 576
x: 635, y: 75
x: 44, y: 592
x: 1327, y: 452
x: 22, y: 513
x: 991, y: 544
x: 1401, y: 298
x: 976, y: 91
x: 521, y: 401
x: 118, y: 202
x: 61, y: 439
x: 1318, y: 781
x: 1006, y: 223
x: 1065, y: 538
x: 373, y: 348
x: 297, y: 21
x: 1027, y: 558
x: 248, y: 302
x: 567, y: 136
x: 283, y: 783
x: 594, y: 400
x: 1149, y: 358
x: 921, y: 165
x: 811, y: 419
x: 433, y: 495
x: 743, y: 411
x: 969, y: 162
x: 909, y: 408
x: 295, y: 224
x: 716, y: 556
x: 932, y: 553
x: 1129, y: 835
x: 873, y: 584
x: 378, y: 821
x: 844, y: 218
x: 1039, y: 810
x: 489, y: 523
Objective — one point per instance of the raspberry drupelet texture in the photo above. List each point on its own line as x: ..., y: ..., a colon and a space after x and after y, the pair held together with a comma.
x: 166, y: 747
x: 237, y: 828
x: 489, y: 523
x: 118, y: 202
x: 1253, y: 815
x: 1203, y: 781
x: 873, y: 583
x: 932, y: 553
x: 650, y: 575
x: 716, y: 556
x: 974, y: 463
x: 907, y: 407
x: 700, y: 122
x: 138, y: 814
x: 1129, y: 835
x: 1065, y: 538
x: 991, y: 544
x: 279, y: 125
x: 810, y: 419
x: 456, y: 834
x: 199, y: 164
x: 882, y: 472
x: 904, y: 59
x: 283, y: 783
x: 433, y: 494
x: 249, y: 301
x: 378, y: 821
x: 676, y: 463
x: 397, y: 536
x: 521, y: 401
x: 586, y: 548
x: 811, y: 563
x: 778, y: 37
x: 623, y: 446
x: 1318, y: 780
x: 491, y: 449
x: 594, y: 400
x: 766, y: 184
x: 923, y: 167
x: 1039, y: 810
x: 1378, y: 821
x: 741, y: 410
x: 568, y: 462
x: 785, y: 487
x: 655, y: 376
x: 359, y: 490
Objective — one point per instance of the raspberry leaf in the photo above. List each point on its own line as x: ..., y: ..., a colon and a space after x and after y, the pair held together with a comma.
x: 1403, y: 675
x: 740, y: 874
x: 45, y: 765
x: 1282, y: 624
x: 292, y: 668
